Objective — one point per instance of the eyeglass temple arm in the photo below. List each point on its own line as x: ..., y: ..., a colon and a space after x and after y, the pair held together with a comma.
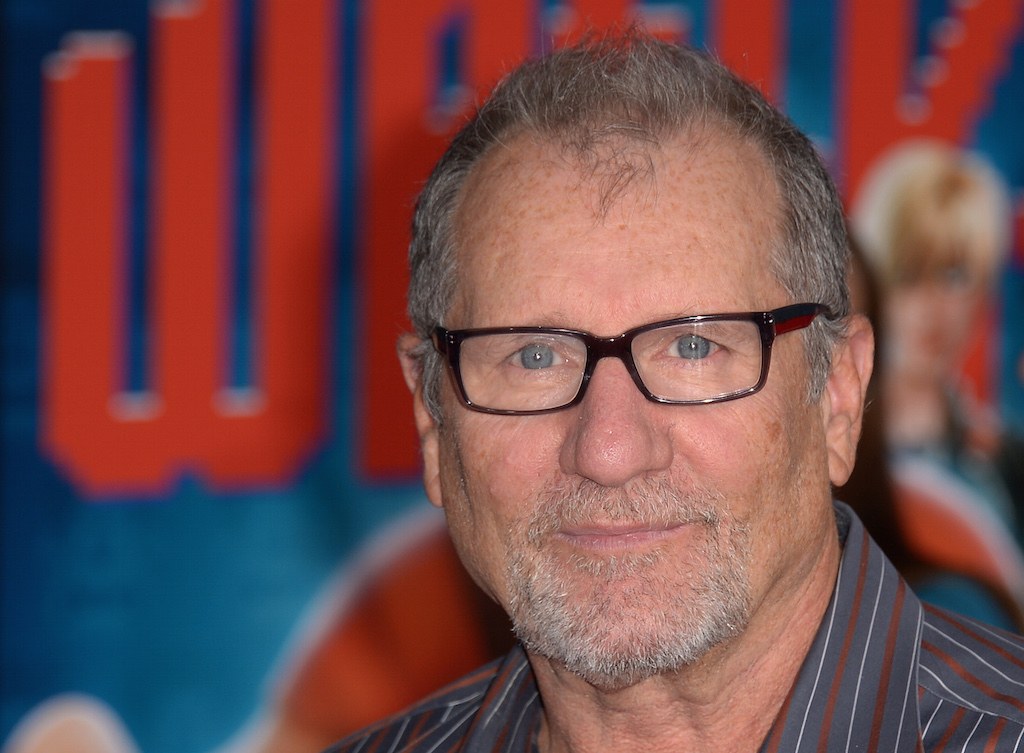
x: 797, y: 316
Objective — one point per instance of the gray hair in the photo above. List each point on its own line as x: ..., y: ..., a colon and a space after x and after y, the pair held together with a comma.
x: 637, y: 88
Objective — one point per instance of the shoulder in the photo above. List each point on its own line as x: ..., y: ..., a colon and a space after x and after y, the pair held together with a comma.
x: 444, y: 720
x: 972, y: 679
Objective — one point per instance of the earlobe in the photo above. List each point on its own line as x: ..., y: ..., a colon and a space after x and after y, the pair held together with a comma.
x: 845, y: 392
x: 426, y: 424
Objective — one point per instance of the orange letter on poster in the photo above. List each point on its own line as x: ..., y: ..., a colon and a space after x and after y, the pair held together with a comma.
x: 410, y: 111
x: 108, y: 441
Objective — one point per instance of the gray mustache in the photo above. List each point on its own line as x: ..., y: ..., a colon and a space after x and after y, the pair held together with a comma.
x: 654, y: 502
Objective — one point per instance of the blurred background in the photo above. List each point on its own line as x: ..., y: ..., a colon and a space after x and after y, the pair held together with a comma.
x: 213, y: 534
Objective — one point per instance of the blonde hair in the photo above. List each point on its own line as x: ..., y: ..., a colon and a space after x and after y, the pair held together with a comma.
x: 928, y: 207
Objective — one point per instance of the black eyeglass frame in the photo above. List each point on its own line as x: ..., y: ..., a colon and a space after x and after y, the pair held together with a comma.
x: 770, y: 324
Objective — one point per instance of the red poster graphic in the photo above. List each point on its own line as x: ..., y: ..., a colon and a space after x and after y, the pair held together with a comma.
x: 108, y: 440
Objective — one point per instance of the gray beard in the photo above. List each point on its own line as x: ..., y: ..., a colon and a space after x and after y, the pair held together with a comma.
x: 615, y: 621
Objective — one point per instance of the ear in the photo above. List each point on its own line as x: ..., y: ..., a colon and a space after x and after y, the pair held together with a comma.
x: 843, y: 405
x: 426, y: 424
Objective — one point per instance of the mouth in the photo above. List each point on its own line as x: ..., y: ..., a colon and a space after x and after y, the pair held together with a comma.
x: 618, y: 536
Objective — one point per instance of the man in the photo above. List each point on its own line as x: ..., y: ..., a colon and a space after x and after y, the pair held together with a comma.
x: 620, y: 468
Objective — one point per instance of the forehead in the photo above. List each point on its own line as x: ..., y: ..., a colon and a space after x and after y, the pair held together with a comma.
x: 635, y: 231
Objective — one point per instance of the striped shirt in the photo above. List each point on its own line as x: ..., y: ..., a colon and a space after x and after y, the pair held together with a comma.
x: 885, y: 673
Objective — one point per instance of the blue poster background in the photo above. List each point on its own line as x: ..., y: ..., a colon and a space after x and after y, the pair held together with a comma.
x: 178, y: 611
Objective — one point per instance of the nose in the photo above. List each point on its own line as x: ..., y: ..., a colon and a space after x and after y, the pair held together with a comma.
x: 618, y: 434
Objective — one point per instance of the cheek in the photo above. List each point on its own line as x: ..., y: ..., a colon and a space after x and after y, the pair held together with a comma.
x: 768, y: 461
x: 509, y: 460
x: 960, y: 312
x: 492, y: 472
x: 907, y: 317
x: 796, y: 490
x: 731, y: 448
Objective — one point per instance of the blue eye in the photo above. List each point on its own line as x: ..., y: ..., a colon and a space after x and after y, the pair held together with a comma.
x: 536, y: 357
x: 692, y: 347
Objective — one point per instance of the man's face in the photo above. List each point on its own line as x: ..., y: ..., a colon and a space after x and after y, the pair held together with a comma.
x: 627, y: 538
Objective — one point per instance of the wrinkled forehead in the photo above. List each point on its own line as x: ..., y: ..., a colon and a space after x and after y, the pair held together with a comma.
x: 533, y: 203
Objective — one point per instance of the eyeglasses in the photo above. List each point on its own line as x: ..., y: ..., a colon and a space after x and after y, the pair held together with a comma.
x: 701, y: 359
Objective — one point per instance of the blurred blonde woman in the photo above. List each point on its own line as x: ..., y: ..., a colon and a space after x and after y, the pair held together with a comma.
x: 933, y: 224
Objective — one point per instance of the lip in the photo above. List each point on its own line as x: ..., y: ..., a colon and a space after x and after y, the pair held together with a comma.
x: 618, y: 536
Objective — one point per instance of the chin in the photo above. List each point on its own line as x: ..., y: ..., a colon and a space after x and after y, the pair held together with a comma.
x: 619, y: 633
x: 628, y: 660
